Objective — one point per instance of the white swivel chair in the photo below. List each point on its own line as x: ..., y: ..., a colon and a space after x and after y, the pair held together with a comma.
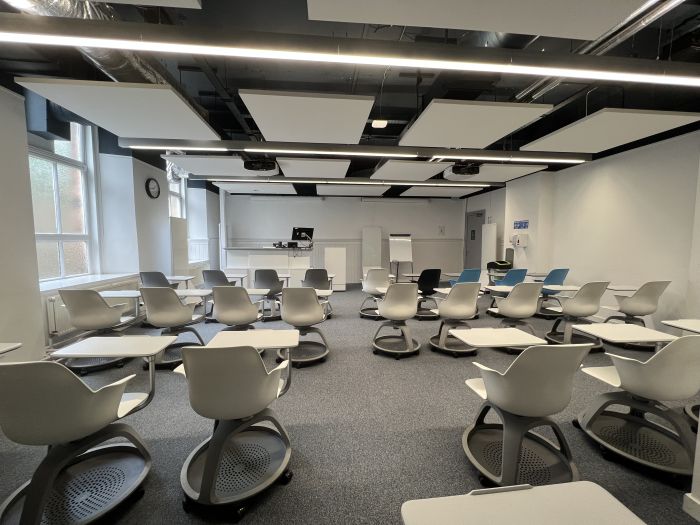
x: 302, y: 310
x: 80, y: 479
x: 90, y: 312
x: 164, y: 310
x: 573, y: 310
x: 519, y: 305
x: 318, y: 279
x: 268, y: 279
x: 233, y: 307
x: 243, y: 457
x: 376, y: 278
x: 212, y: 279
x: 537, y: 385
x: 665, y: 441
x: 156, y: 280
x: 398, y: 306
x: 457, y: 308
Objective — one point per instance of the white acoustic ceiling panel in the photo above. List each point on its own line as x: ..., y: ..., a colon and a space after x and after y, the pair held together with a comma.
x: 252, y: 188
x: 315, y: 168
x: 184, y: 4
x: 409, y: 170
x: 559, y: 18
x: 145, y: 111
x: 351, y: 190
x: 213, y: 165
x: 428, y: 191
x: 469, y: 123
x: 308, y: 117
x: 504, y: 172
x: 609, y: 128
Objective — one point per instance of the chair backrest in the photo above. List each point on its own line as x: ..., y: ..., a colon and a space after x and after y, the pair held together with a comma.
x: 429, y: 280
x: 644, y: 301
x: 469, y: 275
x: 154, y: 279
x: 400, y: 302
x: 268, y: 279
x: 228, y: 383
x: 214, y: 278
x: 300, y: 307
x: 164, y: 308
x: 233, y: 307
x: 461, y: 301
x: 316, y: 278
x: 375, y: 278
x: 556, y: 276
x: 522, y: 302
x: 513, y: 277
x: 671, y: 374
x: 88, y: 310
x: 44, y: 403
x: 539, y: 382
x: 586, y: 301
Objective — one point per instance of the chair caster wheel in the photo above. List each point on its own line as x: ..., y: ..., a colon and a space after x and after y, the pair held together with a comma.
x: 322, y: 360
x: 286, y: 477
x: 187, y: 505
x: 144, y: 366
x: 375, y: 351
x: 120, y: 364
x: 278, y: 360
x: 486, y: 482
x: 82, y: 373
x: 238, y: 514
x: 455, y: 354
x: 398, y: 357
x: 607, y: 455
x: 296, y: 365
x: 576, y: 424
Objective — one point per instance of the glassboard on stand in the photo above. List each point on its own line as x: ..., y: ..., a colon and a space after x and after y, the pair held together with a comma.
x: 400, y: 251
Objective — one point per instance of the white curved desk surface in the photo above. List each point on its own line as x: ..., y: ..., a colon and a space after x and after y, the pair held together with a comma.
x: 265, y: 291
x: 260, y: 339
x: 624, y: 333
x: 126, y: 346
x: 577, y: 503
x: 495, y: 337
x: 689, y: 325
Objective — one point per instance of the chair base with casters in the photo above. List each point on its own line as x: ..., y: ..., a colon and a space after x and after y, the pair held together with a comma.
x: 307, y: 352
x: 370, y: 312
x: 80, y: 482
x: 445, y: 343
x: 270, y: 309
x: 567, y: 335
x: 510, y: 453
x: 171, y: 357
x: 397, y: 346
x: 240, y: 460
x: 426, y: 313
x: 667, y: 447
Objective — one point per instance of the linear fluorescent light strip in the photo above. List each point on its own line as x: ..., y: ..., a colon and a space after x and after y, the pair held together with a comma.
x: 333, y: 58
x: 180, y: 148
x: 320, y: 152
x: 353, y: 182
x: 439, y: 158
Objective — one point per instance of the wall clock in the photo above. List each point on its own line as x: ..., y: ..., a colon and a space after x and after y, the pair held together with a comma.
x: 152, y: 188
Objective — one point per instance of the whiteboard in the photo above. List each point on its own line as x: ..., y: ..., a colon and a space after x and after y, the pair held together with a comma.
x: 400, y: 248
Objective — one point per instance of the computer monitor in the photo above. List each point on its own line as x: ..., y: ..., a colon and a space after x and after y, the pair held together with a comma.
x: 302, y: 234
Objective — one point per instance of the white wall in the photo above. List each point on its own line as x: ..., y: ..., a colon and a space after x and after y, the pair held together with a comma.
x: 115, y: 195
x: 494, y: 205
x: 213, y: 218
x: 20, y: 307
x: 338, y: 221
x: 152, y: 220
x: 630, y: 218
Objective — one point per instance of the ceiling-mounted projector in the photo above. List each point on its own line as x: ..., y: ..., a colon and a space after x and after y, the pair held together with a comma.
x: 461, y: 171
x: 260, y: 165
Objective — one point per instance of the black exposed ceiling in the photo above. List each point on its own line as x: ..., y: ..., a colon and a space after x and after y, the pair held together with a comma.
x: 214, y: 82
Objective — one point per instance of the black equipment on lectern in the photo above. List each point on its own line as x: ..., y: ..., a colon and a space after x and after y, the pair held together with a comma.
x: 302, y: 234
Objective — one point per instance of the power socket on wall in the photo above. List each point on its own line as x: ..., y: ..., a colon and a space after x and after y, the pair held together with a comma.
x: 441, y: 231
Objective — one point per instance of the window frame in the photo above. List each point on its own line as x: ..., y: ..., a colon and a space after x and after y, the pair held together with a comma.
x: 83, y: 166
x: 181, y: 196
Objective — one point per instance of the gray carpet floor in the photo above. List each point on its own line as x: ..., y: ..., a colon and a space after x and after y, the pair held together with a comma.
x: 368, y: 433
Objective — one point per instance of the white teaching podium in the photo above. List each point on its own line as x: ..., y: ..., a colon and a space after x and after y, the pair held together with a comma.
x: 292, y: 261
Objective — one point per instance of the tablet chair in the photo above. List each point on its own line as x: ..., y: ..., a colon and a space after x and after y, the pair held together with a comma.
x: 427, y: 282
x: 233, y: 307
x: 537, y: 385
x: 89, y: 311
x: 520, y: 304
x: 214, y: 278
x: 398, y: 306
x: 318, y: 278
x: 165, y: 310
x: 666, y: 443
x: 513, y: 277
x: 80, y: 479
x: 455, y: 310
x: 467, y: 276
x: 156, y: 280
x: 375, y: 278
x: 268, y: 279
x: 555, y: 277
x: 302, y: 310
x: 249, y: 449
x: 573, y: 310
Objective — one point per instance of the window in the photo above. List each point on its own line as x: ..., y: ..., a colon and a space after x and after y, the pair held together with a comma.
x: 60, y: 208
x: 176, y: 198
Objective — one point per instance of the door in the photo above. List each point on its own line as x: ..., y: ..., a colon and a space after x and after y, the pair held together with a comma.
x: 472, y: 241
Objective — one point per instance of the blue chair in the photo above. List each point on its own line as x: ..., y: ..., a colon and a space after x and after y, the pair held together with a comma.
x: 513, y: 277
x: 467, y: 276
x: 555, y: 277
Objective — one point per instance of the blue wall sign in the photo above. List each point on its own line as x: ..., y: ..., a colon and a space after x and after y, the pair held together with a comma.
x: 521, y: 225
